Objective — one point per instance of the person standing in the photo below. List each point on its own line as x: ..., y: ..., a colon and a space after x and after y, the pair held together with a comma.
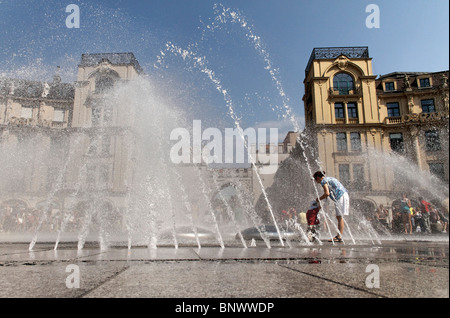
x: 382, y: 216
x: 334, y: 189
x: 406, y: 213
x: 425, y: 210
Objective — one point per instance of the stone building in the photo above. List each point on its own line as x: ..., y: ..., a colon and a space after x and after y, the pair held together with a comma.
x: 67, y: 147
x: 33, y: 118
x: 62, y: 146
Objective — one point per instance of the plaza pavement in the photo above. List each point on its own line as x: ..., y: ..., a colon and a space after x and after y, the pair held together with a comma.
x: 388, y: 269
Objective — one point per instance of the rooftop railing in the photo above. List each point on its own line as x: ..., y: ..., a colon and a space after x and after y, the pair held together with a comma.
x: 323, y: 53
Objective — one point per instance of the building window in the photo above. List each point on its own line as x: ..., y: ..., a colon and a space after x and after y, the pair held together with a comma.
x: 428, y: 106
x: 389, y: 86
x: 343, y: 83
x: 424, y: 82
x: 352, y: 110
x: 355, y: 141
x: 341, y: 141
x: 393, y: 109
x: 106, y: 145
x: 103, y: 176
x: 344, y: 173
x: 432, y: 141
x: 437, y: 169
x: 27, y: 112
x: 58, y: 115
x: 52, y: 177
x: 96, y: 116
x: 97, y: 177
x: 93, y: 146
x: 358, y: 174
x: 107, y: 116
x: 400, y: 178
x: 103, y: 84
x: 396, y: 141
x: 339, y: 110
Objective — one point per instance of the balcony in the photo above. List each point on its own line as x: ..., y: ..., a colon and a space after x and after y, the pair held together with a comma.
x: 20, y: 121
x: 59, y: 124
x: 86, y: 187
x: 342, y: 121
x: 417, y: 118
x: 30, y: 122
x: 393, y: 120
x: 337, y: 93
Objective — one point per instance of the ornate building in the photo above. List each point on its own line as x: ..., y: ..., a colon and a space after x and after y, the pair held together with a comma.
x: 35, y: 114
x: 358, y: 122
x: 62, y: 146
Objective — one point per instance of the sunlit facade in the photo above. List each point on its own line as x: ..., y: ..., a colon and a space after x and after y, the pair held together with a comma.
x: 356, y: 122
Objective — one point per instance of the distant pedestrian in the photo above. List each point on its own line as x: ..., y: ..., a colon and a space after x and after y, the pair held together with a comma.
x: 406, y: 214
x: 425, y: 211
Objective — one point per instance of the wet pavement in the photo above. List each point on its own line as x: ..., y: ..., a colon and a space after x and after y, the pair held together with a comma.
x: 392, y: 269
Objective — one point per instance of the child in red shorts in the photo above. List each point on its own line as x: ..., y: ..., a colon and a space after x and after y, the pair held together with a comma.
x: 313, y: 221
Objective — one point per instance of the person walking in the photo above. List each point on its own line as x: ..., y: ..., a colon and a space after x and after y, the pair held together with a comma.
x: 334, y: 189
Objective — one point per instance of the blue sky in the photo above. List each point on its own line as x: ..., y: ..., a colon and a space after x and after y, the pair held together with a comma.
x: 34, y: 39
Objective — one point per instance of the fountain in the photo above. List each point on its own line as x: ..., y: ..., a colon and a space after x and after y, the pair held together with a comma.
x: 114, y: 182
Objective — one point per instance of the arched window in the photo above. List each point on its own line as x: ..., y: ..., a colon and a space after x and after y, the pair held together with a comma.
x: 343, y: 83
x: 103, y: 83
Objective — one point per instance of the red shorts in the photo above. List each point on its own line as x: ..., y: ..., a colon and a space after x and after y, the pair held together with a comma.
x: 311, y: 216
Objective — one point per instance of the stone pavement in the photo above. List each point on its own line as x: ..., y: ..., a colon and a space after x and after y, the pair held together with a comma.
x: 394, y: 269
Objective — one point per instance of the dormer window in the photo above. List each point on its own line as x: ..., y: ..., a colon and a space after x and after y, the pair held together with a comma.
x: 424, y: 82
x: 389, y: 86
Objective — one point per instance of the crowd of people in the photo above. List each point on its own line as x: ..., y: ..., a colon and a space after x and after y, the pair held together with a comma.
x: 411, y: 217
x: 406, y: 216
x: 14, y: 219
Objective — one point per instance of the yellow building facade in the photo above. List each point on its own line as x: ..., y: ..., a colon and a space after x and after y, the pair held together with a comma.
x: 361, y: 125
